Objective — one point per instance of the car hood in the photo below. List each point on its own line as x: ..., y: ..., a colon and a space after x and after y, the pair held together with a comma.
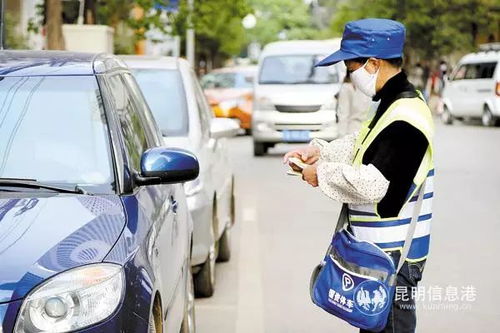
x: 47, y: 234
x: 297, y: 94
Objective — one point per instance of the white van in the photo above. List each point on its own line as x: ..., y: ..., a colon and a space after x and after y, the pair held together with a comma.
x: 473, y: 89
x: 293, y: 100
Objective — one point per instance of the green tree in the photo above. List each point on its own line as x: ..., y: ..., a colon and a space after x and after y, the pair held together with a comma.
x: 291, y: 18
x: 113, y: 12
x: 434, y: 28
x: 217, y: 24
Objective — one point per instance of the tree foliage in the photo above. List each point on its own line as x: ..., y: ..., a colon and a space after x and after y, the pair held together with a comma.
x: 113, y: 12
x: 290, y: 18
x: 434, y: 27
x: 217, y: 24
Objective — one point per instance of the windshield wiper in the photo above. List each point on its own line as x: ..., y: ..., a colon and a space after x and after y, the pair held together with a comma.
x: 33, y: 183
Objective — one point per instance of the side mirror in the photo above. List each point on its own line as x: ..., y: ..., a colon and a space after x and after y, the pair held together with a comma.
x: 223, y: 128
x: 161, y: 165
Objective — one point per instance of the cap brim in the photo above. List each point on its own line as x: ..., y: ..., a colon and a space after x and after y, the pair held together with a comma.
x: 335, y: 57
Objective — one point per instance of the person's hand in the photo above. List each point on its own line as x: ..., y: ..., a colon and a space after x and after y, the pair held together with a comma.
x: 308, y: 155
x: 310, y: 175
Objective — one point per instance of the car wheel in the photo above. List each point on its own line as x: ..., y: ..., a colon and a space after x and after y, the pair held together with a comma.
x: 446, y: 116
x: 204, y: 281
x: 225, y: 246
x: 488, y: 119
x: 259, y: 148
x: 189, y: 322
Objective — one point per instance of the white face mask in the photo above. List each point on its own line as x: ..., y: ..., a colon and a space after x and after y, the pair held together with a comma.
x: 364, y: 81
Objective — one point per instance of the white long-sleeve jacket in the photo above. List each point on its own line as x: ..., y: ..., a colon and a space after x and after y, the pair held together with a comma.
x: 340, y: 180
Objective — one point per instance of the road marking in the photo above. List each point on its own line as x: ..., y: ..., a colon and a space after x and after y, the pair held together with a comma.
x: 250, y: 315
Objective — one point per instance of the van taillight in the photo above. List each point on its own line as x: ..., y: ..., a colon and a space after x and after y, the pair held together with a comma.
x: 498, y: 88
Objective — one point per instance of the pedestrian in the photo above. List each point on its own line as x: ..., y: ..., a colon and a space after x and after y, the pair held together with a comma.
x: 417, y: 77
x: 352, y: 107
x: 378, y: 171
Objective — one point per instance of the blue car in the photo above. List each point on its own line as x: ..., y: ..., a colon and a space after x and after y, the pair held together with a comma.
x: 95, y: 235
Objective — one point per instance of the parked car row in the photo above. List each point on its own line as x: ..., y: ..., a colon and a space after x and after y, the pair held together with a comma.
x: 473, y: 88
x: 97, y: 231
x: 186, y: 120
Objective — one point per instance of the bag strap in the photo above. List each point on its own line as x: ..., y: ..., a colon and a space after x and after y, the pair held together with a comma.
x: 412, y: 227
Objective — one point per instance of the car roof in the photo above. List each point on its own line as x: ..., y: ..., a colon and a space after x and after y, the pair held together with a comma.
x: 135, y: 61
x: 56, y: 63
x: 301, y: 47
x: 483, y: 56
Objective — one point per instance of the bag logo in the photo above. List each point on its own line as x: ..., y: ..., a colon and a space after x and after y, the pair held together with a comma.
x: 347, y: 282
x: 371, y: 298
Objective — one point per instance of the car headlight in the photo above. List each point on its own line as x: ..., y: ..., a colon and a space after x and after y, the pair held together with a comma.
x: 193, y: 187
x: 264, y: 104
x: 72, y: 300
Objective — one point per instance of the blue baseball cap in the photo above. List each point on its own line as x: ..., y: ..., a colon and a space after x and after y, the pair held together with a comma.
x: 372, y: 37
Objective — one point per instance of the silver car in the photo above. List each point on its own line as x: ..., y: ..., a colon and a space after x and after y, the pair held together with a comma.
x: 186, y: 120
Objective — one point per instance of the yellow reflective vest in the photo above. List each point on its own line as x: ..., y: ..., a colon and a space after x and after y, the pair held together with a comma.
x: 389, y: 233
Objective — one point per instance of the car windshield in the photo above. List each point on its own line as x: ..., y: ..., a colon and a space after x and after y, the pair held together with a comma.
x: 164, y: 92
x: 53, y: 129
x: 227, y: 81
x: 296, y: 69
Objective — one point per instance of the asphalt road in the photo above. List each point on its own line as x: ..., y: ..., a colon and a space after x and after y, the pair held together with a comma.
x: 283, y: 227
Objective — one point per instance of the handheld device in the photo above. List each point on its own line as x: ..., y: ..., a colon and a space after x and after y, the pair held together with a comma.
x: 298, y: 163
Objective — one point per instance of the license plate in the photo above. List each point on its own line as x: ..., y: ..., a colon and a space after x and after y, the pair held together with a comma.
x: 296, y: 136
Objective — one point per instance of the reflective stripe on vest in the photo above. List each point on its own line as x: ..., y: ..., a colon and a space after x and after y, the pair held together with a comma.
x: 390, y: 233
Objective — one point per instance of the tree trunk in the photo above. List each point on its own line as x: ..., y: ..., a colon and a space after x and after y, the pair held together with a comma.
x: 90, y: 12
x: 55, y: 38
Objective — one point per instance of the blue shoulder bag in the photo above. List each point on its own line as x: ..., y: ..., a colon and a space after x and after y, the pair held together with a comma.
x: 356, y: 280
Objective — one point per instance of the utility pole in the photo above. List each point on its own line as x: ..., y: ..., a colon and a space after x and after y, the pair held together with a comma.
x: 190, y: 35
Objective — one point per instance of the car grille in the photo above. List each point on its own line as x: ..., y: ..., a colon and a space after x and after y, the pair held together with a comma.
x: 297, y: 108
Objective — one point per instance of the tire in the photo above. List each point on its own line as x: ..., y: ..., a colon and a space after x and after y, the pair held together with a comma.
x: 189, y: 322
x: 225, y: 246
x: 204, y: 280
x: 488, y: 119
x: 259, y: 148
x: 446, y: 116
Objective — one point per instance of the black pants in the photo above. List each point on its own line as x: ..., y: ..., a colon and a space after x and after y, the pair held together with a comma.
x: 403, y: 318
